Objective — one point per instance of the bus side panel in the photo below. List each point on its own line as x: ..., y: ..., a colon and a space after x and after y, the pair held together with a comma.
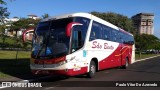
x: 133, y: 54
x: 113, y: 60
x: 117, y: 58
x: 106, y: 63
x: 126, y: 53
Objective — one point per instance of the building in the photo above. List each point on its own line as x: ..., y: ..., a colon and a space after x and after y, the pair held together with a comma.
x: 143, y: 22
x: 12, y: 33
x: 35, y: 17
x: 8, y: 23
x: 14, y: 19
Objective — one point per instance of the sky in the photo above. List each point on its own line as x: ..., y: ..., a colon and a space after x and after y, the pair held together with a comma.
x: 22, y: 8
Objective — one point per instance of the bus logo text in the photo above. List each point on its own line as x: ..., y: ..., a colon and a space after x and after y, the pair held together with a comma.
x: 97, y: 45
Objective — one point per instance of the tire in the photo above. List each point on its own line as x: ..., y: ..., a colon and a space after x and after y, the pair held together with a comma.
x: 92, y: 70
x: 126, y: 64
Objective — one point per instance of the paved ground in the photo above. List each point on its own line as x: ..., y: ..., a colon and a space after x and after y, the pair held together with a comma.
x: 148, y: 70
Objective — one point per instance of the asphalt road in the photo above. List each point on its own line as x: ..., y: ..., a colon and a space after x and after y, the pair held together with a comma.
x: 145, y: 72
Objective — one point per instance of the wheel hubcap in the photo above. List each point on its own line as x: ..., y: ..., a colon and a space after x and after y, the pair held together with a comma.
x: 126, y: 63
x: 92, y: 69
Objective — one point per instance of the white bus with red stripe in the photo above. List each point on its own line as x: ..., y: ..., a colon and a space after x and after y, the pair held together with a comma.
x: 79, y: 43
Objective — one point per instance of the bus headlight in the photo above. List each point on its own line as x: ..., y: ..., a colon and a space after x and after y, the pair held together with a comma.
x: 63, y: 62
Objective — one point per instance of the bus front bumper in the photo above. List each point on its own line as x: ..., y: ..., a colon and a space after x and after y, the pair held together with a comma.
x: 52, y: 71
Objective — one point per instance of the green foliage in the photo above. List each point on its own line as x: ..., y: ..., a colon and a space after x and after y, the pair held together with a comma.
x: 3, y: 14
x: 11, y: 42
x: 8, y: 40
x: 24, y: 23
x: 147, y: 42
x: 45, y: 16
x: 2, y: 2
x: 117, y: 19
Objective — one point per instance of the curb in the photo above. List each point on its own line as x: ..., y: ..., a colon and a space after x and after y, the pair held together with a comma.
x: 146, y: 58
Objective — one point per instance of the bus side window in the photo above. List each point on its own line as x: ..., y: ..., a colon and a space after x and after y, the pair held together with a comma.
x: 120, y: 40
x: 95, y: 31
x: 85, y: 22
x: 113, y: 34
x: 106, y: 33
x: 123, y: 37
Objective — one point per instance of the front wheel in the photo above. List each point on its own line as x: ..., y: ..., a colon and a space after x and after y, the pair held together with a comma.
x: 92, y: 70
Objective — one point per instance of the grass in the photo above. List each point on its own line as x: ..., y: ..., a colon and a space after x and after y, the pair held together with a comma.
x: 12, y: 54
x: 144, y: 56
x: 8, y: 40
x: 12, y: 67
x: 2, y: 75
x: 11, y: 42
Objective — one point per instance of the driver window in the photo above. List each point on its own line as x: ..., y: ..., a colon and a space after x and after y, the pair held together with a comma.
x: 76, y: 38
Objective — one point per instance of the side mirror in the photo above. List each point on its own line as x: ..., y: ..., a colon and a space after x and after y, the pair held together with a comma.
x: 70, y: 26
x: 27, y: 35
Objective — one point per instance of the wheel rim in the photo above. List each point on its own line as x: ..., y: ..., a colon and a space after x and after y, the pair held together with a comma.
x: 126, y: 63
x: 93, y: 69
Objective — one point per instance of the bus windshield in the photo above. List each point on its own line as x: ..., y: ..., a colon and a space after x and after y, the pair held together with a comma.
x: 50, y: 40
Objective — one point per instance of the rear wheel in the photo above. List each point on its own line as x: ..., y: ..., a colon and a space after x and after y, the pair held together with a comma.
x: 92, y: 70
x: 126, y: 64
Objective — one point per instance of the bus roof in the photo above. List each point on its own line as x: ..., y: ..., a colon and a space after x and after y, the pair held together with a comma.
x: 86, y: 15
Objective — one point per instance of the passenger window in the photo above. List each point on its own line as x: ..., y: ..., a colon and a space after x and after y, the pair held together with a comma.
x: 113, y: 34
x: 95, y: 31
x: 120, y: 37
x: 85, y: 22
x: 106, y: 33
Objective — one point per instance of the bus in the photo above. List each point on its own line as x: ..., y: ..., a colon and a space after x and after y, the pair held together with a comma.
x: 79, y: 43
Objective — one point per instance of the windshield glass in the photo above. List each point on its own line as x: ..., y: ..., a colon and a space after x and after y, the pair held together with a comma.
x: 50, y: 40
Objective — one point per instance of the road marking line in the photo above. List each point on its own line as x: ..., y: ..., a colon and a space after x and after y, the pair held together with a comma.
x: 49, y: 88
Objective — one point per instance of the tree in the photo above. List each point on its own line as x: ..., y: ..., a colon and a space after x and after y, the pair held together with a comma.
x: 45, y: 16
x: 2, y: 2
x: 3, y: 14
x: 147, y: 42
x: 24, y: 23
x: 117, y: 19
